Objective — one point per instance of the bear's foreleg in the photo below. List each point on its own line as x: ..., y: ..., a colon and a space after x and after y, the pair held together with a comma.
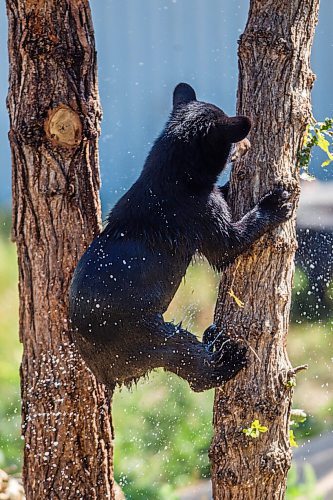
x: 273, y: 209
x: 227, y: 240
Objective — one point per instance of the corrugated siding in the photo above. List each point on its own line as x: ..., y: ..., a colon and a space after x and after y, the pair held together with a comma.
x: 145, y: 47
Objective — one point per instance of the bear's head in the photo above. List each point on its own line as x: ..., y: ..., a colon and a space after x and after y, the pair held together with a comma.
x: 203, y: 132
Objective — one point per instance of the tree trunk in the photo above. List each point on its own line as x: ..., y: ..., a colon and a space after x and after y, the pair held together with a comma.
x: 274, y: 91
x: 54, y: 126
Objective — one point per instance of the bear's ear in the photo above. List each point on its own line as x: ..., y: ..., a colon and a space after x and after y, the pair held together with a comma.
x: 236, y: 128
x: 183, y: 94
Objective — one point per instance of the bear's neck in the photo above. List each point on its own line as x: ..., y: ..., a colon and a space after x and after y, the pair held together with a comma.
x: 173, y: 164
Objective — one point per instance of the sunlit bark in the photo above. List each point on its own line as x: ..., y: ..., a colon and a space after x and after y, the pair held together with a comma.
x: 54, y: 126
x: 274, y: 91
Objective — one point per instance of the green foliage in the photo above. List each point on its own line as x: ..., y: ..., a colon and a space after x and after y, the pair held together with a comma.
x: 305, y: 304
x: 5, y: 224
x: 167, y: 493
x: 291, y: 382
x: 298, y: 416
x: 163, y: 432
x: 10, y: 349
x: 304, y: 489
x: 195, y: 299
x: 255, y: 429
x: 318, y: 134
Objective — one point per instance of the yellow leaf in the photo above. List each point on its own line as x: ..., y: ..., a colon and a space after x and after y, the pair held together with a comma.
x: 292, y: 439
x: 238, y: 301
x: 322, y: 142
x: 307, y: 136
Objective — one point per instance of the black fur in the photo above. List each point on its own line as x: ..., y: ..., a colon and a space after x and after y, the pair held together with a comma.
x: 126, y: 279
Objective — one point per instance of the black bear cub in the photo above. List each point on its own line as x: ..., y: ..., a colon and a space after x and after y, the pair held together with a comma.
x: 127, y: 277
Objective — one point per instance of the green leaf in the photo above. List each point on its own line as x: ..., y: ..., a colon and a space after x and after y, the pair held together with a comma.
x: 292, y: 440
x: 255, y: 429
x: 291, y: 382
x: 315, y: 135
x: 298, y: 415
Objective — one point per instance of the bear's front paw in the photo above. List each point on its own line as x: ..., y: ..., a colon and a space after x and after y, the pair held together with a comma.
x: 277, y: 204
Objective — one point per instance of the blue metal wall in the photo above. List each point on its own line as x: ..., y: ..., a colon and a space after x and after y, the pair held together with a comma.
x: 145, y: 47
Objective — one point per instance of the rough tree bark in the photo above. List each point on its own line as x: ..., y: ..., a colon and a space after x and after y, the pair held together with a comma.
x: 274, y: 91
x: 54, y: 126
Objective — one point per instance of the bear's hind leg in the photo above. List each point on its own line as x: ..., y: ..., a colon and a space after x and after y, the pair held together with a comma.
x: 202, y: 365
